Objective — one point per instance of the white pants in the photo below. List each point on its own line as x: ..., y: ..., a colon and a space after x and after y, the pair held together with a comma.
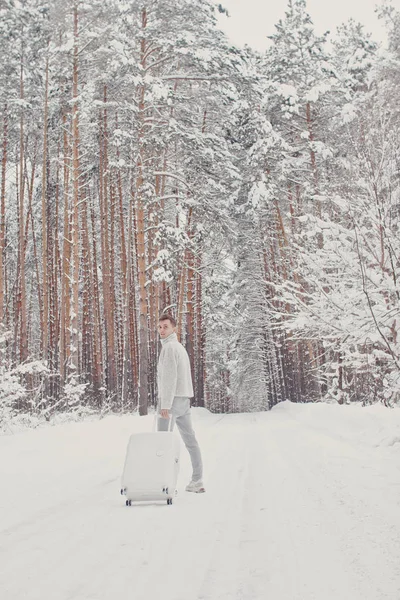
x: 180, y: 414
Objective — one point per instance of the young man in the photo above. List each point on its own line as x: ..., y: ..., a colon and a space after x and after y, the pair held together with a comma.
x: 175, y: 387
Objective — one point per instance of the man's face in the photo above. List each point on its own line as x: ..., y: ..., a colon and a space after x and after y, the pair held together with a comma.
x: 165, y: 328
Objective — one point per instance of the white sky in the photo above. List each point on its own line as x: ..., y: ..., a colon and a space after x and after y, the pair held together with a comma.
x: 251, y: 21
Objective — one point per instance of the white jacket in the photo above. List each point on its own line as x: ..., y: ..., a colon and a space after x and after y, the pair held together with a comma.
x: 174, y: 377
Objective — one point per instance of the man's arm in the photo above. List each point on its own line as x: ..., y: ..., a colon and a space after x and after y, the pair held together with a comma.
x: 168, y: 380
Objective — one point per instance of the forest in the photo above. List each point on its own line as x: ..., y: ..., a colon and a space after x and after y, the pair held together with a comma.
x: 148, y: 165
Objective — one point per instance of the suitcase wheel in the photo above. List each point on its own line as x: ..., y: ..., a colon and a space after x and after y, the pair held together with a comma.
x: 128, y: 503
x: 169, y: 500
x: 123, y: 490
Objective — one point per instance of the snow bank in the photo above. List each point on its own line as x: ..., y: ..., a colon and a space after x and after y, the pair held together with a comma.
x: 371, y: 426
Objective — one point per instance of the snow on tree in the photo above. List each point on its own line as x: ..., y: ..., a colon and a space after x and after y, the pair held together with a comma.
x: 149, y: 165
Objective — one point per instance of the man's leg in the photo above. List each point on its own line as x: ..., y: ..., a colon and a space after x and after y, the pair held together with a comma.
x: 184, y: 423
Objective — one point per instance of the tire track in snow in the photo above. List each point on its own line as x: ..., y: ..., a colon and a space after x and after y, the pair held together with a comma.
x: 331, y: 554
x: 219, y: 577
x: 367, y: 522
x: 48, y: 513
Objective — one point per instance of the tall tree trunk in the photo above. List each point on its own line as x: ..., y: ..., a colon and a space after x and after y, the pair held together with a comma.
x: 97, y: 338
x: 90, y: 325
x: 183, y: 277
x: 190, y: 306
x: 195, y: 344
x: 66, y: 263
x: 30, y: 220
x: 129, y: 364
x: 55, y: 272
x: 22, y: 274
x: 200, y: 373
x: 75, y: 205
x: 115, y: 289
x: 141, y: 260
x: 3, y: 214
x: 45, y: 293
x: 107, y: 255
x: 125, y: 264
x: 134, y: 309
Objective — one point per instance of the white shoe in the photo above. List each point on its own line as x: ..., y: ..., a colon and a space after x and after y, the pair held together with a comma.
x: 196, y: 486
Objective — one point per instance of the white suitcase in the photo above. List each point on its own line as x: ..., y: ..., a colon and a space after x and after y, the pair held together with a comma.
x: 151, y: 467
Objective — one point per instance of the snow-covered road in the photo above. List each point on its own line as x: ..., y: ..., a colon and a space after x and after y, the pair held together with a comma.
x: 302, y: 503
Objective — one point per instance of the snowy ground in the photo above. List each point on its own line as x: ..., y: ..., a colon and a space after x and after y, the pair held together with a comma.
x: 302, y: 503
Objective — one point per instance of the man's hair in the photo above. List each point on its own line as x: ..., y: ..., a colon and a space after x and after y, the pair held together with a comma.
x: 167, y: 317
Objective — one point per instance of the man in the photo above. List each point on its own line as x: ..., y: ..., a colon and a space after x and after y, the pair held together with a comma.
x: 175, y: 387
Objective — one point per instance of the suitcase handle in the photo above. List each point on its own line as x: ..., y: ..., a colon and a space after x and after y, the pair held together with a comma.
x: 156, y: 415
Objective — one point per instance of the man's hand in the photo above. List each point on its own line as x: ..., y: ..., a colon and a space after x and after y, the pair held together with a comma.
x: 164, y: 413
